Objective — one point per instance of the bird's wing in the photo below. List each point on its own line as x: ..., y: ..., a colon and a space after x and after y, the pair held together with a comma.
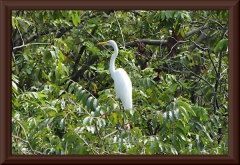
x: 123, y: 87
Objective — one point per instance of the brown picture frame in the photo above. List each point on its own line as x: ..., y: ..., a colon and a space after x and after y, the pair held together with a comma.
x: 6, y: 6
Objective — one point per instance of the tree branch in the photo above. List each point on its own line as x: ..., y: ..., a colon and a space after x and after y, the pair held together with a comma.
x: 18, y: 47
x: 147, y: 42
x: 25, y: 141
x: 120, y: 29
x: 215, y: 102
x: 112, y: 133
x: 197, y: 75
x: 76, y: 74
x: 199, y: 40
x: 194, y: 31
x: 164, y: 42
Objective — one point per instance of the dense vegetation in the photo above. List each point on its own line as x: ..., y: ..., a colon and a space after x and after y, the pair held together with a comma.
x: 63, y: 100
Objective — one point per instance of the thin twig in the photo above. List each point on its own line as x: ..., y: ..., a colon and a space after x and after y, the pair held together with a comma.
x: 110, y: 134
x: 88, y: 144
x: 212, y: 61
x: 215, y: 102
x: 20, y: 36
x: 178, y: 42
x: 18, y: 47
x: 97, y: 131
x: 120, y: 29
x: 34, y: 151
x: 197, y: 75
x: 198, y: 46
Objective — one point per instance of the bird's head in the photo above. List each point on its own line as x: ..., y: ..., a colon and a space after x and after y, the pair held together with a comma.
x: 113, y: 44
x: 110, y: 42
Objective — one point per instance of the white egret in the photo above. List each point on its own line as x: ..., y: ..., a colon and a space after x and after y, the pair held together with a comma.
x: 122, y: 82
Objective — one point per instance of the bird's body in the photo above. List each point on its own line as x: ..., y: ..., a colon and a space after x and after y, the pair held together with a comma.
x: 123, y: 88
x: 122, y: 82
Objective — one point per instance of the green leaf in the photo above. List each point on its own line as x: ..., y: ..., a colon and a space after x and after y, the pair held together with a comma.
x: 165, y: 116
x: 173, y: 150
x: 182, y: 137
x: 114, y: 118
x: 53, y: 54
x: 57, y: 73
x: 47, y: 57
x: 171, y: 116
x: 207, y: 135
x: 201, y: 113
x: 136, y: 132
x: 25, y: 57
x: 180, y: 129
x: 89, y: 102
x: 76, y: 19
x: 86, y: 120
x: 95, y: 21
x: 62, y: 123
x: 101, y: 122
x: 199, y: 143
x: 14, y: 87
x: 80, y: 93
x: 184, y: 113
x: 163, y: 15
x: 70, y: 88
x: 133, y: 150
x: 154, y: 122
x: 187, y: 107
x: 94, y: 50
x: 177, y: 114
x: 169, y: 14
x: 84, y: 98
x: 94, y: 104
x: 91, y: 129
x: 221, y: 46
x: 160, y: 118
x: 215, y: 121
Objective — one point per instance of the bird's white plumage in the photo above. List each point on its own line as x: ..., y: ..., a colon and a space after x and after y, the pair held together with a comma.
x: 122, y: 82
x: 123, y: 88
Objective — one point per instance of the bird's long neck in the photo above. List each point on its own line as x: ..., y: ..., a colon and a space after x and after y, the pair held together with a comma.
x: 112, y: 60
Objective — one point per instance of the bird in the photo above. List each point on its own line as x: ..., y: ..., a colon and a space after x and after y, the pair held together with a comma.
x: 122, y: 82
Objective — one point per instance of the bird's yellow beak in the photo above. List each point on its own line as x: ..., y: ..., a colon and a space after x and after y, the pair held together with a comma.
x: 102, y: 43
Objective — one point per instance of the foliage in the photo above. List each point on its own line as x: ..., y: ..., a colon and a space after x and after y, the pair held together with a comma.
x: 63, y: 101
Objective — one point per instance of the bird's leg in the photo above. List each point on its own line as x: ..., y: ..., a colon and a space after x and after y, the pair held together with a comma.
x: 119, y: 125
x: 122, y: 110
x: 119, y: 104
